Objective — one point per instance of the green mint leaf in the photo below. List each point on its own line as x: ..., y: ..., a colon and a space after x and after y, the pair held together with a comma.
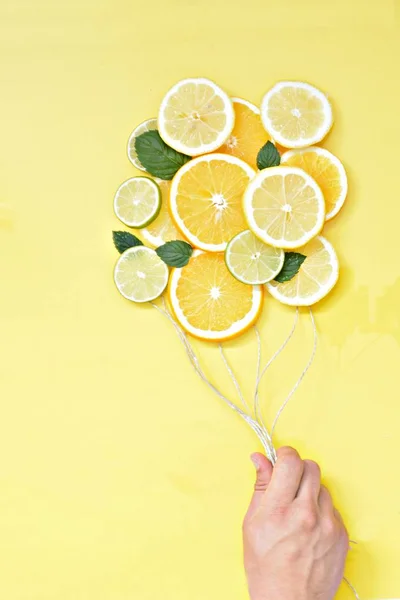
x: 291, y: 266
x: 176, y: 253
x: 124, y: 240
x: 159, y: 159
x: 268, y: 157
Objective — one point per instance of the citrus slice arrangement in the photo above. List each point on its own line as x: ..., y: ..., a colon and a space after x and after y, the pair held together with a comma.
x: 214, y: 180
x: 222, y: 206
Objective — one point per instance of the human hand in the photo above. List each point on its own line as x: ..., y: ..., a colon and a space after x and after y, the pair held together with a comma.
x: 295, y: 542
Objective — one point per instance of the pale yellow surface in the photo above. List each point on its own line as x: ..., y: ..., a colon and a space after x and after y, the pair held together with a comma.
x: 121, y: 476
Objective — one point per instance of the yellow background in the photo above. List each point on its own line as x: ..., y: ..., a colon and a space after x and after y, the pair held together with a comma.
x: 121, y: 476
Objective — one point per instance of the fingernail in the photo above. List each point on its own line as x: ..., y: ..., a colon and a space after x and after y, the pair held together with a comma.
x: 255, y: 460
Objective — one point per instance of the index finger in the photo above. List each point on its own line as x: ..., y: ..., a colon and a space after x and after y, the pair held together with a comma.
x: 286, y: 478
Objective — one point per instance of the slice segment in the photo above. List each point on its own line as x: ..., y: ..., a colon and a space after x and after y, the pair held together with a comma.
x: 248, y: 135
x: 296, y: 114
x: 140, y: 275
x: 251, y: 261
x: 209, y: 302
x: 196, y: 116
x: 328, y: 172
x: 148, y: 125
x: 162, y: 229
x: 206, y: 200
x: 284, y: 207
x: 316, y: 277
x: 137, y: 202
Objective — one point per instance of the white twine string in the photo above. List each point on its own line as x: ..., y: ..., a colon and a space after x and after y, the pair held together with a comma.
x: 300, y: 379
x: 257, y: 408
x: 195, y: 363
x: 258, y: 427
x: 233, y: 377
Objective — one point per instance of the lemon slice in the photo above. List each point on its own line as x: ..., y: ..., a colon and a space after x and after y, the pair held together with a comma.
x: 148, y: 125
x: 206, y: 200
x: 248, y: 135
x: 296, y: 114
x: 328, y: 172
x: 196, y: 116
x: 140, y: 275
x: 251, y: 261
x: 284, y: 207
x: 137, y: 202
x: 316, y: 277
x: 162, y: 229
x: 209, y: 302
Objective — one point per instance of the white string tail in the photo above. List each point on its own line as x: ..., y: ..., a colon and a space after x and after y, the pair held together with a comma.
x: 353, y: 589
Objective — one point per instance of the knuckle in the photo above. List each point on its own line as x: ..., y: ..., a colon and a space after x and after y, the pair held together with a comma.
x: 330, y: 528
x: 260, y: 486
x: 308, y: 519
x: 288, y: 453
x: 293, y: 552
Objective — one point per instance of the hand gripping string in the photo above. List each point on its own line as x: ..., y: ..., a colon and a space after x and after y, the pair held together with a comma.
x: 259, y: 428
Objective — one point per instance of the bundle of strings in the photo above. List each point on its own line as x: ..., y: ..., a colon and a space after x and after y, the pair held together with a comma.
x: 252, y: 415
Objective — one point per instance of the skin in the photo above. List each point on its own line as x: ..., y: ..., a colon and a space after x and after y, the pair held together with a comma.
x: 295, y: 542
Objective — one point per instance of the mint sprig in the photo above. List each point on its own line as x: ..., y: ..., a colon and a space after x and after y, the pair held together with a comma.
x: 159, y: 159
x: 124, y: 240
x: 175, y: 253
x: 291, y: 266
x: 268, y: 156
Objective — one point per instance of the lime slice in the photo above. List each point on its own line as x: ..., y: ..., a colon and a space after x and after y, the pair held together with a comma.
x: 148, y: 125
x: 137, y: 202
x: 140, y: 275
x: 251, y: 261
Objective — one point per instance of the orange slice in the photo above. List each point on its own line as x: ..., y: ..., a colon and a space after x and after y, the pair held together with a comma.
x: 209, y: 303
x: 328, y: 172
x: 206, y: 200
x: 248, y: 135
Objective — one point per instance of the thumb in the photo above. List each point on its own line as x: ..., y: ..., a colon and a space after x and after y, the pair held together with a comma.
x: 263, y: 477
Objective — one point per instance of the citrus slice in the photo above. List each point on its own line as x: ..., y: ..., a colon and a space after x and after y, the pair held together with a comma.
x: 196, y: 116
x: 148, y: 125
x: 296, y: 114
x: 206, y: 200
x: 316, y: 277
x: 248, y: 135
x: 209, y: 302
x: 251, y: 261
x: 137, y: 202
x: 140, y: 275
x: 328, y: 172
x: 284, y: 207
x: 162, y: 229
